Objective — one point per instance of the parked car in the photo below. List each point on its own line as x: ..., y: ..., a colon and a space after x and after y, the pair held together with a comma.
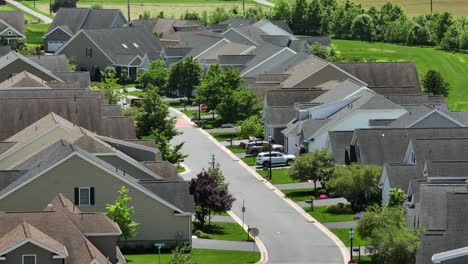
x: 255, y: 147
x: 277, y: 158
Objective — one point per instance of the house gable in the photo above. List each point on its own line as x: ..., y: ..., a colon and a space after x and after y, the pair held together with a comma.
x: 43, y: 256
x: 76, y: 171
x: 57, y: 34
x: 18, y: 65
x: 435, y: 119
x: 323, y: 75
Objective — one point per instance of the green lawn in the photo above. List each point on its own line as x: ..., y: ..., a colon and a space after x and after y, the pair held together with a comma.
x: 249, y: 160
x: 278, y: 176
x: 453, y: 66
x: 9, y: 7
x: 224, y: 231
x: 201, y: 256
x: 30, y: 4
x: 343, y: 235
x: 191, y: 113
x: 175, y: 103
x: 35, y: 32
x: 208, y: 123
x: 320, y: 214
x: 299, y: 195
x: 236, y: 149
x: 224, y: 136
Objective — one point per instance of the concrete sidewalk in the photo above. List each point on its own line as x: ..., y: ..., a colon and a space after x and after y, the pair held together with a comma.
x: 46, y: 19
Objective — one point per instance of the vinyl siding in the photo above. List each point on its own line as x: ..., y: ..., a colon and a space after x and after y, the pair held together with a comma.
x: 125, y: 166
x: 156, y: 221
x: 30, y: 149
x: 77, y: 48
x: 42, y: 256
x: 57, y: 35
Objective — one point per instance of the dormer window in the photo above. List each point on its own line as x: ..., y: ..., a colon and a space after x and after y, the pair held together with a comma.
x: 136, y: 45
x: 125, y: 46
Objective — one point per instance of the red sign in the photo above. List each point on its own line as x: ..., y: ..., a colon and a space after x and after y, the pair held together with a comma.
x: 203, y: 107
x: 353, y: 262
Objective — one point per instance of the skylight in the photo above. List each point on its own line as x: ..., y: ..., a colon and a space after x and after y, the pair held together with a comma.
x: 125, y: 46
x: 136, y: 45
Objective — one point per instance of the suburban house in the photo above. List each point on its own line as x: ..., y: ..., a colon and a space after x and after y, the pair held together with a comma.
x: 42, y: 160
x: 165, y: 26
x: 350, y: 109
x: 69, y: 21
x: 60, y: 233
x: 12, y: 28
x: 128, y: 49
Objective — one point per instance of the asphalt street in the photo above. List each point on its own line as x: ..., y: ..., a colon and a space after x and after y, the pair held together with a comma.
x: 287, y: 235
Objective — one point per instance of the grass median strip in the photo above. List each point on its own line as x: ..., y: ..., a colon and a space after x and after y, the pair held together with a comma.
x: 278, y: 176
x: 343, y: 235
x: 221, y: 231
x: 300, y: 195
x: 202, y: 256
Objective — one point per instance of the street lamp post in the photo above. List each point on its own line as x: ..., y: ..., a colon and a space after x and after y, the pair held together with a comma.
x: 351, y: 237
x: 213, y: 159
x: 269, y: 164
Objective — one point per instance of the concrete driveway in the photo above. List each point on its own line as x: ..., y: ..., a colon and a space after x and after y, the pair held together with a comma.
x: 288, y: 235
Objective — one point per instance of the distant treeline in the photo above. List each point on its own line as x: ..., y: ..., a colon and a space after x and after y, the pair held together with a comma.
x: 349, y: 20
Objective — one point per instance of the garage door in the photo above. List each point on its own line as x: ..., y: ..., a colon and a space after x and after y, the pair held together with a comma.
x: 53, y: 46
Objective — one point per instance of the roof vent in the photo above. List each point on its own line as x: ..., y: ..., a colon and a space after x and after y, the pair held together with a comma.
x: 125, y: 46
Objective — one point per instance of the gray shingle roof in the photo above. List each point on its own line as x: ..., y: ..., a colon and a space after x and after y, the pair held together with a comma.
x: 236, y: 22
x: 373, y: 148
x: 283, y: 25
x: 174, y: 192
x: 122, y: 45
x: 278, y: 116
x: 447, y: 168
x: 386, y: 77
x: 13, y: 18
x: 288, y: 97
x: 324, y: 40
x: 82, y: 78
x: 340, y: 141
x: 400, y: 175
x: 54, y: 63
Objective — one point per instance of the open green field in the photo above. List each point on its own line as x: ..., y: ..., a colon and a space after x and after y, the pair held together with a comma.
x: 453, y: 66
x: 201, y: 256
x: 27, y: 16
x: 171, y: 8
x: 35, y: 32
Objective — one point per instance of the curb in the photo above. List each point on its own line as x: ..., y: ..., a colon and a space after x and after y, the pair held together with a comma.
x: 187, y: 169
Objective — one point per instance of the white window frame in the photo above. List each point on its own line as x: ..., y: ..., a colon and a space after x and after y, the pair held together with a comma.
x: 29, y: 255
x: 89, y: 196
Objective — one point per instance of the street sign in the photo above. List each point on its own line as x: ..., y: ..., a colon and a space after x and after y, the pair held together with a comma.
x: 353, y: 262
x: 254, y: 231
x: 203, y: 107
x: 159, y: 245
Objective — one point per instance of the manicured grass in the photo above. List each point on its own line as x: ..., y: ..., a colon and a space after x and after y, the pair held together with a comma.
x: 299, y: 195
x: 225, y: 136
x: 191, y: 113
x: 453, y: 66
x: 175, y: 103
x: 249, y: 160
x: 9, y: 7
x: 364, y: 259
x: 30, y: 4
x: 208, y: 123
x: 343, y: 235
x: 224, y: 231
x: 236, y: 149
x: 35, y: 32
x: 320, y: 214
x: 279, y: 176
x: 201, y: 256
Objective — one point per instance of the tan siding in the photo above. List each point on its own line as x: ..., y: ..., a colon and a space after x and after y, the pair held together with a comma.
x: 33, y: 148
x: 42, y: 256
x: 157, y: 221
x: 77, y: 48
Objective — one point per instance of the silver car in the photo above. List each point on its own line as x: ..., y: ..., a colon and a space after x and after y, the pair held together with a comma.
x: 277, y: 158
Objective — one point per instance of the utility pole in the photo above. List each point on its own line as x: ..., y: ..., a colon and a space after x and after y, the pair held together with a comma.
x: 243, y: 7
x: 128, y: 10
x: 431, y: 6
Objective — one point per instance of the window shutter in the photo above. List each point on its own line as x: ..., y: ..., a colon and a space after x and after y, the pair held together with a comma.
x: 91, y: 199
x: 77, y: 196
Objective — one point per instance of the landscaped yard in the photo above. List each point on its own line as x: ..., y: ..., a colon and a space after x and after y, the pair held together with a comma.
x: 320, y: 214
x: 236, y: 149
x: 35, y: 32
x: 201, y: 256
x: 299, y: 195
x: 278, y: 176
x: 224, y: 136
x: 343, y: 235
x: 224, y: 231
x: 453, y: 66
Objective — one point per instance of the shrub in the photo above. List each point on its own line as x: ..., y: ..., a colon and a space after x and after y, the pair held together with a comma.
x: 335, y: 209
x: 201, y: 234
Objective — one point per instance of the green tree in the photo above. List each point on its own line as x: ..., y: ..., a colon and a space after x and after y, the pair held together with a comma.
x: 314, y: 18
x: 397, y: 197
x: 434, y: 83
x: 121, y: 213
x: 419, y: 35
x: 218, y: 15
x: 216, y: 174
x: 109, y: 83
x: 439, y: 24
x: 238, y: 105
x: 57, y: 4
x: 282, y: 11
x: 315, y: 166
x: 211, y: 89
x: 251, y: 127
x: 298, y: 16
x: 184, y: 77
x: 157, y: 75
x: 389, y: 239
x: 154, y: 116
x: 172, y: 154
x: 363, y: 27
x: 182, y: 255
x: 359, y: 182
